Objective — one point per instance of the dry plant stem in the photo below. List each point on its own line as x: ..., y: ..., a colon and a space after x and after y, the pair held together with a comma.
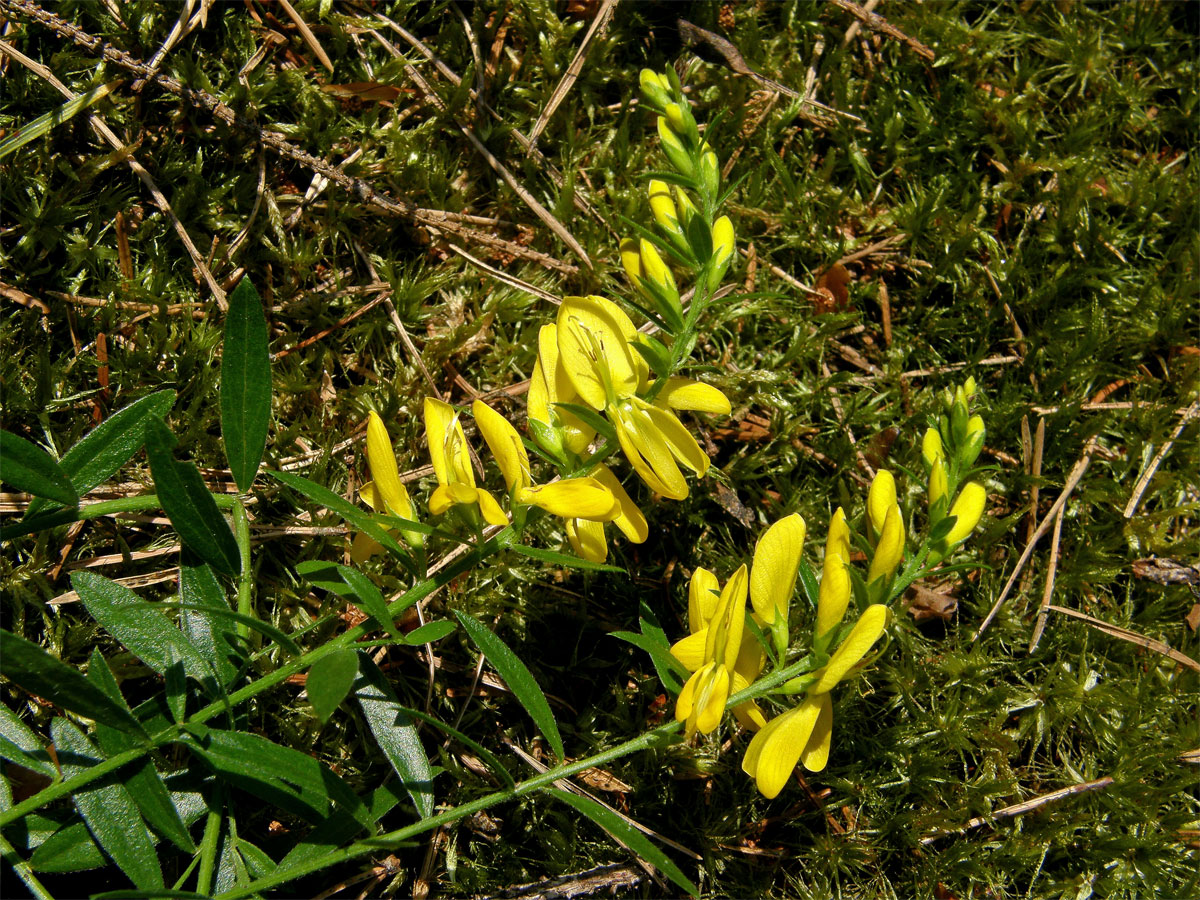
x: 856, y: 27
x: 1025, y: 806
x: 599, y: 23
x: 102, y: 129
x: 182, y: 27
x: 881, y: 25
x: 307, y: 36
x: 610, y: 879
x: 1132, y: 636
x: 1072, y: 480
x: 431, y: 218
x: 1143, y: 483
x: 504, y: 278
x: 1051, y: 572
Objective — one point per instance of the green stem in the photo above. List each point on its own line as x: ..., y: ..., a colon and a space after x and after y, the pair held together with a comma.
x: 71, y: 785
x: 124, y: 505
x: 245, y: 584
x: 22, y: 868
x: 209, y: 844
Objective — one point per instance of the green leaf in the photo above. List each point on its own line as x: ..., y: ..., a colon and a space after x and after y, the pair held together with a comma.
x: 429, y: 633
x: 669, y: 669
x: 188, y: 503
x: 627, y: 835
x: 38, y: 672
x: 258, y: 863
x: 485, y: 754
x: 108, y: 809
x: 70, y: 849
x: 110, y: 444
x: 205, y: 600
x: 250, y: 622
x: 19, y: 743
x: 340, y: 827
x: 563, y: 559
x: 138, y: 625
x: 28, y: 467
x: 348, y: 511
x: 808, y: 583
x: 351, y: 584
x: 395, y: 733
x: 590, y: 417
x: 245, y: 384
x: 44, y: 124
x: 143, y: 781
x: 329, y: 680
x: 517, y: 676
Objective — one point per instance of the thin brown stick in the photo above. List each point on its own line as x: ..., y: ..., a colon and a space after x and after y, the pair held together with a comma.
x: 503, y: 277
x: 1072, y: 480
x: 1143, y: 483
x: 307, y: 35
x: 880, y: 24
x: 1132, y: 636
x: 1025, y: 806
x: 1051, y: 572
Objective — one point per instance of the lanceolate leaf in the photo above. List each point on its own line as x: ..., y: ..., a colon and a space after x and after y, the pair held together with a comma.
x: 142, y: 630
x: 562, y: 559
x: 627, y: 835
x: 245, y: 384
x: 38, y: 672
x: 20, y: 745
x: 199, y: 589
x: 329, y: 680
x: 28, y: 467
x: 110, y: 444
x: 340, y: 827
x: 70, y: 849
x: 108, y: 809
x: 352, y: 584
x: 188, y: 504
x: 518, y: 678
x: 396, y: 734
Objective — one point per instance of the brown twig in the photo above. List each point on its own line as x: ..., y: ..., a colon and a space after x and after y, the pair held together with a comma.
x: 1025, y: 806
x: 1132, y: 636
x: 1144, y: 482
x: 1051, y: 572
x: 880, y: 24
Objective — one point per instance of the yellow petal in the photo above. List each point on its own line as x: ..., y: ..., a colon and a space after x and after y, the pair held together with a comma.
x: 504, y: 442
x: 678, y: 439
x: 629, y: 517
x: 685, y: 703
x: 368, y: 495
x: 776, y: 562
x: 384, y: 472
x: 723, y: 241
x: 690, y: 650
x: 726, y: 628
x: 780, y: 746
x: 969, y: 510
x: 745, y: 672
x: 364, y: 547
x: 937, y: 482
x: 816, y: 751
x: 890, y: 549
x: 834, y: 595
x: 880, y: 498
x: 704, y: 592
x: 631, y: 260
x: 753, y: 752
x: 587, y: 539
x: 662, y: 206
x: 492, y: 513
x: 710, y: 701
x: 594, y: 351
x: 573, y: 498
x: 931, y: 447
x: 447, y: 443
x: 648, y: 453
x: 654, y: 269
x: 448, y: 495
x: 838, y: 540
x: 538, y: 399
x: 866, y: 631
x: 684, y: 393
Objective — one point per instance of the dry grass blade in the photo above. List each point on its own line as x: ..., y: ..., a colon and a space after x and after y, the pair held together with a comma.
x: 503, y: 277
x: 132, y: 581
x: 1132, y: 636
x: 1025, y: 806
x: 1144, y: 482
x: 599, y: 23
x: 1052, y: 571
x: 306, y: 34
x: 1072, y: 480
x: 610, y: 879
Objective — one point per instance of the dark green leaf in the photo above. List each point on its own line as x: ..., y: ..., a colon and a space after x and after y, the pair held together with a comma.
x: 340, y: 827
x: 250, y: 622
x: 669, y: 669
x: 258, y: 864
x: 28, y: 467
x: 188, y: 503
x: 486, y: 755
x: 563, y: 559
x: 143, y: 781
x: 352, y: 584
x: 329, y: 680
x: 19, y: 744
x: 517, y: 676
x: 38, y: 672
x: 200, y: 590
x: 808, y: 583
x: 139, y: 626
x: 396, y: 734
x: 348, y: 511
x: 245, y: 384
x: 108, y: 809
x: 429, y: 632
x: 627, y: 835
x: 70, y: 849
x: 938, y: 532
x: 110, y: 444
x: 657, y: 357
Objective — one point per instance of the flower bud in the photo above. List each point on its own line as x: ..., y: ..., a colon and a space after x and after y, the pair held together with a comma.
x: 655, y: 88
x: 676, y: 117
x: 938, y: 486
x: 687, y: 209
x: 969, y: 386
x: 967, y: 510
x: 723, y: 247
x: 969, y: 452
x: 631, y: 260
x: 890, y: 549
x: 674, y: 150
x: 663, y: 207
x: 710, y: 173
x: 931, y: 447
x: 880, y: 498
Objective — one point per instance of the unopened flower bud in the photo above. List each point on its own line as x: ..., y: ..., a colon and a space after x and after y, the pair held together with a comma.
x: 723, y: 247
x: 710, y: 173
x: 655, y: 88
x: 931, y: 447
x: 674, y: 150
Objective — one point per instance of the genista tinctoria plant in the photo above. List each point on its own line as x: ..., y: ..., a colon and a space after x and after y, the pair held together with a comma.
x: 604, y: 403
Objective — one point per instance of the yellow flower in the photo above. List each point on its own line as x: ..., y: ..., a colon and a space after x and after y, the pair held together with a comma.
x: 581, y: 498
x: 587, y: 536
x: 776, y: 563
x: 385, y: 492
x: 890, y: 549
x: 452, y: 465
x: 880, y: 498
x: 834, y: 594
x: 594, y: 350
x: 550, y: 385
x: 967, y: 510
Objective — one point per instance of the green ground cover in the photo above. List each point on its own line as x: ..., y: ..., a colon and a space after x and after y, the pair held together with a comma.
x: 1011, y: 190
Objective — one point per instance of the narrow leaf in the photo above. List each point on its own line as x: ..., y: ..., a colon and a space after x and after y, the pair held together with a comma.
x: 429, y: 633
x: 339, y: 828
x: 808, y: 583
x: 109, y: 811
x: 396, y: 734
x: 517, y: 676
x: 110, y: 445
x: 669, y: 669
x: 329, y: 680
x: 138, y: 625
x: 352, y: 584
x: 204, y: 599
x: 44, y: 124
x: 70, y: 849
x: 627, y: 835
x: 188, y: 503
x: 19, y: 743
x: 245, y: 384
x: 250, y: 622
x: 38, y: 672
x: 563, y: 559
x: 28, y: 467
